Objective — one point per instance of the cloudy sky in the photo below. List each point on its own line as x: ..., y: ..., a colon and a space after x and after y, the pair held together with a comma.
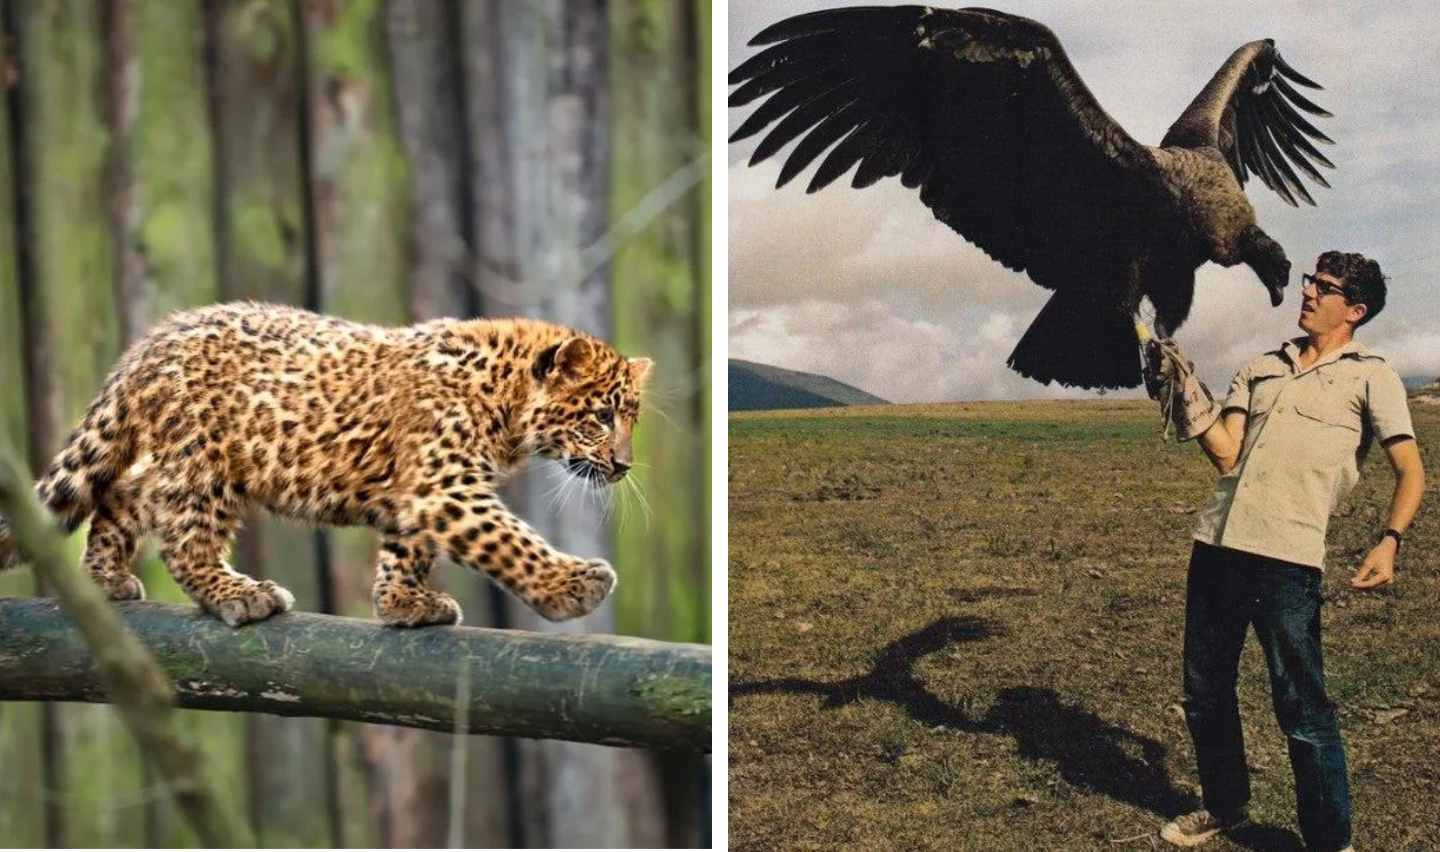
x: 866, y: 287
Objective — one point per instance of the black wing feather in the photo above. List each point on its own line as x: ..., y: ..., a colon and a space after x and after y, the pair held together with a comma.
x: 1298, y: 121
x: 1290, y: 141
x: 887, y: 160
x: 782, y: 102
x: 1254, y: 154
x: 802, y: 119
x: 1298, y: 99
x: 1284, y: 68
x: 852, y: 21
x: 1276, y: 152
x: 829, y: 131
x: 864, y: 142
x: 1252, y: 113
x: 979, y: 110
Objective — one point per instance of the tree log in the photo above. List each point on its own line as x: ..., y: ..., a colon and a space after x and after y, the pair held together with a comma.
x: 612, y: 690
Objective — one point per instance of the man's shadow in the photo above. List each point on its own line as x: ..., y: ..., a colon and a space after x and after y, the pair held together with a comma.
x: 1088, y: 751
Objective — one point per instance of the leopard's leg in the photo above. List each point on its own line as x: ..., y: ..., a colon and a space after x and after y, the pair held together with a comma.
x: 401, y: 594
x: 471, y: 526
x: 196, y: 524
x: 110, y: 545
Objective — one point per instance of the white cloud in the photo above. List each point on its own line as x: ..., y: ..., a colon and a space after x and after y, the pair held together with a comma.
x: 901, y: 359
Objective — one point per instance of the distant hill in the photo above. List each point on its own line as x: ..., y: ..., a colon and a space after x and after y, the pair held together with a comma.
x: 1424, y: 391
x: 760, y: 387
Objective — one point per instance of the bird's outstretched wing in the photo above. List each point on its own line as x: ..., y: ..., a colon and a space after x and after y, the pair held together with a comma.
x: 980, y: 110
x: 1251, y: 111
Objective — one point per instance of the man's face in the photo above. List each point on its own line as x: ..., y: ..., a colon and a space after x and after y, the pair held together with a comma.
x: 1323, y: 307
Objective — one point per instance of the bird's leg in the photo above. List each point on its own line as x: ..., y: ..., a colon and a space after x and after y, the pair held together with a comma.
x: 1134, y: 298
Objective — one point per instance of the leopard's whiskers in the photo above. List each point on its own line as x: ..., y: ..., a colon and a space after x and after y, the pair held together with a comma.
x: 660, y: 410
x: 634, y: 485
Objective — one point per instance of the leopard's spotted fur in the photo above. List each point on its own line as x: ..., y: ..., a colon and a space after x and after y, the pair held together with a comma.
x: 407, y: 430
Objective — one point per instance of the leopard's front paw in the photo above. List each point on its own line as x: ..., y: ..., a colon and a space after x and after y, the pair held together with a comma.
x: 586, y: 588
x: 402, y: 607
x: 256, y: 601
x: 119, y: 585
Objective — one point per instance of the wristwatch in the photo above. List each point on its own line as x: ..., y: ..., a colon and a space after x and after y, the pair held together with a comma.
x: 1395, y: 534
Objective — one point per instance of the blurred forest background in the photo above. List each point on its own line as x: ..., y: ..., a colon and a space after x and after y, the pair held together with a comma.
x: 389, y: 163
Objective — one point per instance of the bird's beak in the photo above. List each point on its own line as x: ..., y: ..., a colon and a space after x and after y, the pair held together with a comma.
x: 1277, y: 292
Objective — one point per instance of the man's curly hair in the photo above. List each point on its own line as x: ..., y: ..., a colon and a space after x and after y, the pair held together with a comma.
x: 1364, y: 284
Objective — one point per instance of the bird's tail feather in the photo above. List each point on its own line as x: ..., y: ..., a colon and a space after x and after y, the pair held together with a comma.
x: 1080, y: 342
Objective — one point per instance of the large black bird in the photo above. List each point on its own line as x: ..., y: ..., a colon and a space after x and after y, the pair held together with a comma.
x: 984, y: 114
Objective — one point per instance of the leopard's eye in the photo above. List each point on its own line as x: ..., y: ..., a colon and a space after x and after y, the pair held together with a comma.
x: 606, y: 416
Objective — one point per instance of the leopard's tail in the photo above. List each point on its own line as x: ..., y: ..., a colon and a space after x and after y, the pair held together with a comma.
x: 96, y: 453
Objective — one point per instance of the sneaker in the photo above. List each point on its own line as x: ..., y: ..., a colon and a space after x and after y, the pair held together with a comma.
x: 1195, y: 828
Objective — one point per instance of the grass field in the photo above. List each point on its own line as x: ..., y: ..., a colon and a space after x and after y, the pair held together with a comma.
x: 958, y: 627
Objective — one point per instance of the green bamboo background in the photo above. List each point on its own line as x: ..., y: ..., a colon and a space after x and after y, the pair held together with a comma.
x: 386, y: 163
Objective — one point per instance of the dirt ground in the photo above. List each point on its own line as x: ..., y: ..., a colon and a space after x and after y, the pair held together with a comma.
x: 958, y: 627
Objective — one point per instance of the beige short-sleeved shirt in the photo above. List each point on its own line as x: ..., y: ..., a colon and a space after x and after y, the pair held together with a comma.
x: 1306, y: 434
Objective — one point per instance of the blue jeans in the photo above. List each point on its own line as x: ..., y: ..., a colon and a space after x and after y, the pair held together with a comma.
x: 1228, y: 591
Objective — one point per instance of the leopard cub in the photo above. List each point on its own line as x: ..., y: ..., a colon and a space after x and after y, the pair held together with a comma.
x: 406, y: 430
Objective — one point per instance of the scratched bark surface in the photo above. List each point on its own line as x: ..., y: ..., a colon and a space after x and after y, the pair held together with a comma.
x: 611, y: 690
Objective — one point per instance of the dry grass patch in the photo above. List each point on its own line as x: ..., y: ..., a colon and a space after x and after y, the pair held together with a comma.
x: 958, y: 627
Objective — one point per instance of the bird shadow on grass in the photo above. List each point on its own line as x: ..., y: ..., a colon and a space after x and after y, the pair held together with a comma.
x: 1087, y: 750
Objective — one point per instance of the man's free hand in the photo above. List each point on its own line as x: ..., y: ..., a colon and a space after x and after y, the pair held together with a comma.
x: 1378, y: 569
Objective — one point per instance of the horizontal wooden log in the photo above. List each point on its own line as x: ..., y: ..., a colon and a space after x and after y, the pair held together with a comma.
x: 612, y: 690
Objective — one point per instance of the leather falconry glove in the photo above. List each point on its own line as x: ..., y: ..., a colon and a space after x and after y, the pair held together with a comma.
x: 1185, y: 402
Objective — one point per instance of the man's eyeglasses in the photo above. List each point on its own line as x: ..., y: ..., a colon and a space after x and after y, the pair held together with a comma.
x: 1322, y: 288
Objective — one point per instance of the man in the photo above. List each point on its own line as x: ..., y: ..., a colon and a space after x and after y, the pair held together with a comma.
x: 1288, y: 443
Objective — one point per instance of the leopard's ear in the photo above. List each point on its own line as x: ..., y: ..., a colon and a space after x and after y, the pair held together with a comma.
x: 640, y: 369
x: 568, y: 360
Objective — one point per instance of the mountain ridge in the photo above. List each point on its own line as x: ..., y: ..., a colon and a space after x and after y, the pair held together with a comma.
x: 762, y: 387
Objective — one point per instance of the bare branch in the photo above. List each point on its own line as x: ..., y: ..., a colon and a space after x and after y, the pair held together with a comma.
x: 613, y: 690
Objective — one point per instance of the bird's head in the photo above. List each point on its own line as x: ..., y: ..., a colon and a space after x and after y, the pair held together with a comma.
x: 1276, y: 276
x: 1268, y: 259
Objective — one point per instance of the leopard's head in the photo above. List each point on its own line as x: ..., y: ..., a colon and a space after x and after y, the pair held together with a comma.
x: 585, y: 409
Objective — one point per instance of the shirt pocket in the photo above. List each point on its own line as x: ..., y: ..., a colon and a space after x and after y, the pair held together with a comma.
x: 1264, y: 390
x: 1329, y: 416
x: 1332, y: 402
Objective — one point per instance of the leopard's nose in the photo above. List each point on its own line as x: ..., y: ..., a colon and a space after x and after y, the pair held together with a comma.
x: 622, y: 457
